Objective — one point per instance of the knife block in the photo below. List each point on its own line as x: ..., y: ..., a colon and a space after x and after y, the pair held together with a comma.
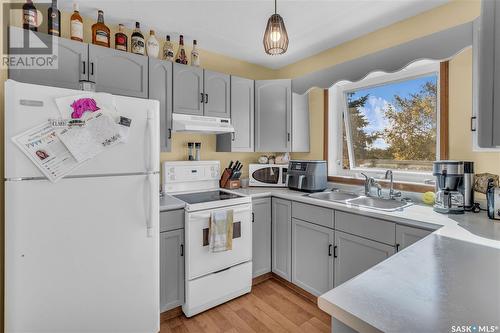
x: 224, y: 179
x: 232, y: 184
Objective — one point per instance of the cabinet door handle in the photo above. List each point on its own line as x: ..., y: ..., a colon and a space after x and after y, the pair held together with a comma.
x: 234, y: 136
x: 253, y: 217
x: 182, y: 250
x: 397, y: 247
x: 84, y: 66
x: 91, y: 68
x: 330, y: 250
x: 206, y: 98
x: 335, y: 251
x: 169, y: 134
x: 288, y: 137
x: 202, y: 98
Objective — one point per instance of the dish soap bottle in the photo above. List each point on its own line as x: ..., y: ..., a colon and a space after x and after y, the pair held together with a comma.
x: 152, y: 45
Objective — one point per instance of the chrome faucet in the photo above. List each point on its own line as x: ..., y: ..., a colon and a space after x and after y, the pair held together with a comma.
x: 392, y: 194
x: 369, y: 182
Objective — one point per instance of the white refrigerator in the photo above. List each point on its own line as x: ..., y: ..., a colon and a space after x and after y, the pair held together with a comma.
x: 82, y: 254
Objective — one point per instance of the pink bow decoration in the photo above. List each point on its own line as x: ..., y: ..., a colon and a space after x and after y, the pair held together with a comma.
x: 82, y: 105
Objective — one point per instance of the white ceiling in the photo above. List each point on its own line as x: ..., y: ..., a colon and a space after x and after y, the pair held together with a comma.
x: 235, y: 27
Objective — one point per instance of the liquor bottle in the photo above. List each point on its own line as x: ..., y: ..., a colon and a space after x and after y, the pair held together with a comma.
x: 181, y: 56
x: 54, y: 20
x: 121, y: 39
x: 30, y: 16
x: 100, y: 32
x: 168, y: 50
x: 76, y: 24
x: 137, y: 40
x: 195, y: 55
x: 152, y: 45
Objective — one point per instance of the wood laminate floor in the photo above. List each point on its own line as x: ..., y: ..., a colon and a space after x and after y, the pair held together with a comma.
x: 270, y: 307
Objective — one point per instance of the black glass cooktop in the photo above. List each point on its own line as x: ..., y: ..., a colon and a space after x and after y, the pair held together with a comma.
x: 200, y: 197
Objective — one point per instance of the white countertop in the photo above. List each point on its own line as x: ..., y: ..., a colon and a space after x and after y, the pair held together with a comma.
x: 451, y: 277
x: 168, y: 202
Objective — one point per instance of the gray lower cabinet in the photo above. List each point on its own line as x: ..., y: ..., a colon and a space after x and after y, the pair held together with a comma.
x: 273, y: 105
x: 354, y: 255
x: 312, y: 257
x: 117, y: 72
x: 282, y: 238
x: 217, y: 89
x: 261, y: 236
x: 171, y: 269
x: 188, y: 95
x: 160, y: 88
x: 405, y: 236
x: 242, y: 118
x: 72, y: 61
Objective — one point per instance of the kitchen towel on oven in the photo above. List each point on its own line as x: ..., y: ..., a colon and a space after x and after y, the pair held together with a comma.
x: 220, y: 231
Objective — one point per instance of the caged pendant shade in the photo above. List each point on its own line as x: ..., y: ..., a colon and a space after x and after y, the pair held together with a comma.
x: 275, y: 36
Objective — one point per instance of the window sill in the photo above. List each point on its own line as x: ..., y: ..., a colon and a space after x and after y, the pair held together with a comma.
x: 401, y: 186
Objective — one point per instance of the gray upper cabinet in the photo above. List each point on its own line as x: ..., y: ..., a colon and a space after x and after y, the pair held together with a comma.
x: 312, y: 257
x: 217, y: 88
x: 242, y: 118
x: 171, y: 269
x: 71, y: 67
x: 118, y: 72
x: 282, y: 238
x: 487, y: 78
x: 300, y: 123
x: 273, y: 102
x: 405, y: 236
x: 188, y: 95
x: 160, y: 88
x: 261, y: 236
x: 355, y: 255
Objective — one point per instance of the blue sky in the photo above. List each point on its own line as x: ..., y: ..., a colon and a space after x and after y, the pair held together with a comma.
x: 380, y: 97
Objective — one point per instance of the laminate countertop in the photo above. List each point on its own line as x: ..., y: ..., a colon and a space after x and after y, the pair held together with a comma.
x: 448, y: 281
x: 168, y: 202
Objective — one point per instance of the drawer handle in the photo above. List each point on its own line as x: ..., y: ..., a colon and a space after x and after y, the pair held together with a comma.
x: 335, y: 251
x: 236, y: 233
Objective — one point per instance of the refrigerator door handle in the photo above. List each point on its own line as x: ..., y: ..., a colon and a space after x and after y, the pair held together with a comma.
x: 151, y: 143
x: 150, y: 209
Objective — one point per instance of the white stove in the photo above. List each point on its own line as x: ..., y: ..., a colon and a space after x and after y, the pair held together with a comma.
x: 211, y: 278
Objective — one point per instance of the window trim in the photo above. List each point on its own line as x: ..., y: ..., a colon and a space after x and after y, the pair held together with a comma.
x: 333, y: 122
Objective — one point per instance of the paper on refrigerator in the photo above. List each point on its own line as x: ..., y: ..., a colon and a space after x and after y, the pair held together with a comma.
x: 44, y: 148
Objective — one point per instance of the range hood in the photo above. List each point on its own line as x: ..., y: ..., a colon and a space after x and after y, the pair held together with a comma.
x: 201, y: 124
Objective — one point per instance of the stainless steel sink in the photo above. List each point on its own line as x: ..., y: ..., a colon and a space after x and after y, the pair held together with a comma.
x: 336, y: 196
x: 379, y: 203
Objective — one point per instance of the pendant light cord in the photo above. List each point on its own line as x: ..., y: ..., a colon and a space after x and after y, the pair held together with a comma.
x: 275, y: 11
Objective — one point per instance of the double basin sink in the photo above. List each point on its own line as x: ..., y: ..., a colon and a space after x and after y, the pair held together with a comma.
x: 354, y: 199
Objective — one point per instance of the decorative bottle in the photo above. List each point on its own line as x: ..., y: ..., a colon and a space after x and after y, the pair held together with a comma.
x: 137, y: 45
x: 54, y: 20
x: 76, y: 24
x: 195, y: 55
x: 100, y: 32
x: 152, y: 45
x: 168, y: 50
x: 181, y: 56
x: 121, y: 39
x: 30, y: 16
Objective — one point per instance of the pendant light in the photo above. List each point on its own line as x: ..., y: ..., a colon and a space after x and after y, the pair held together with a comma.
x: 275, y: 36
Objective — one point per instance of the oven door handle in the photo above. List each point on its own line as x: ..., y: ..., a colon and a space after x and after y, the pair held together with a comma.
x: 208, y: 214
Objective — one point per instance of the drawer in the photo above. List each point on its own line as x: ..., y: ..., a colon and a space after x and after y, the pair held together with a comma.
x: 314, y: 214
x: 171, y: 220
x: 367, y: 227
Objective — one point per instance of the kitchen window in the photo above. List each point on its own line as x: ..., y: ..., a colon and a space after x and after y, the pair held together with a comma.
x: 386, y: 121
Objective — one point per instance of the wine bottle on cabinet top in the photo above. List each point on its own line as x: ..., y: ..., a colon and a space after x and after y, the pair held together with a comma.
x: 168, y: 50
x: 137, y: 45
x: 121, y: 39
x: 54, y: 20
x: 30, y: 16
x: 100, y: 32
x: 152, y: 45
x: 76, y: 24
x: 181, y: 56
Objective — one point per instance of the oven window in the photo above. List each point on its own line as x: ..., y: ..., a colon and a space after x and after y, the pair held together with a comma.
x: 268, y: 175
